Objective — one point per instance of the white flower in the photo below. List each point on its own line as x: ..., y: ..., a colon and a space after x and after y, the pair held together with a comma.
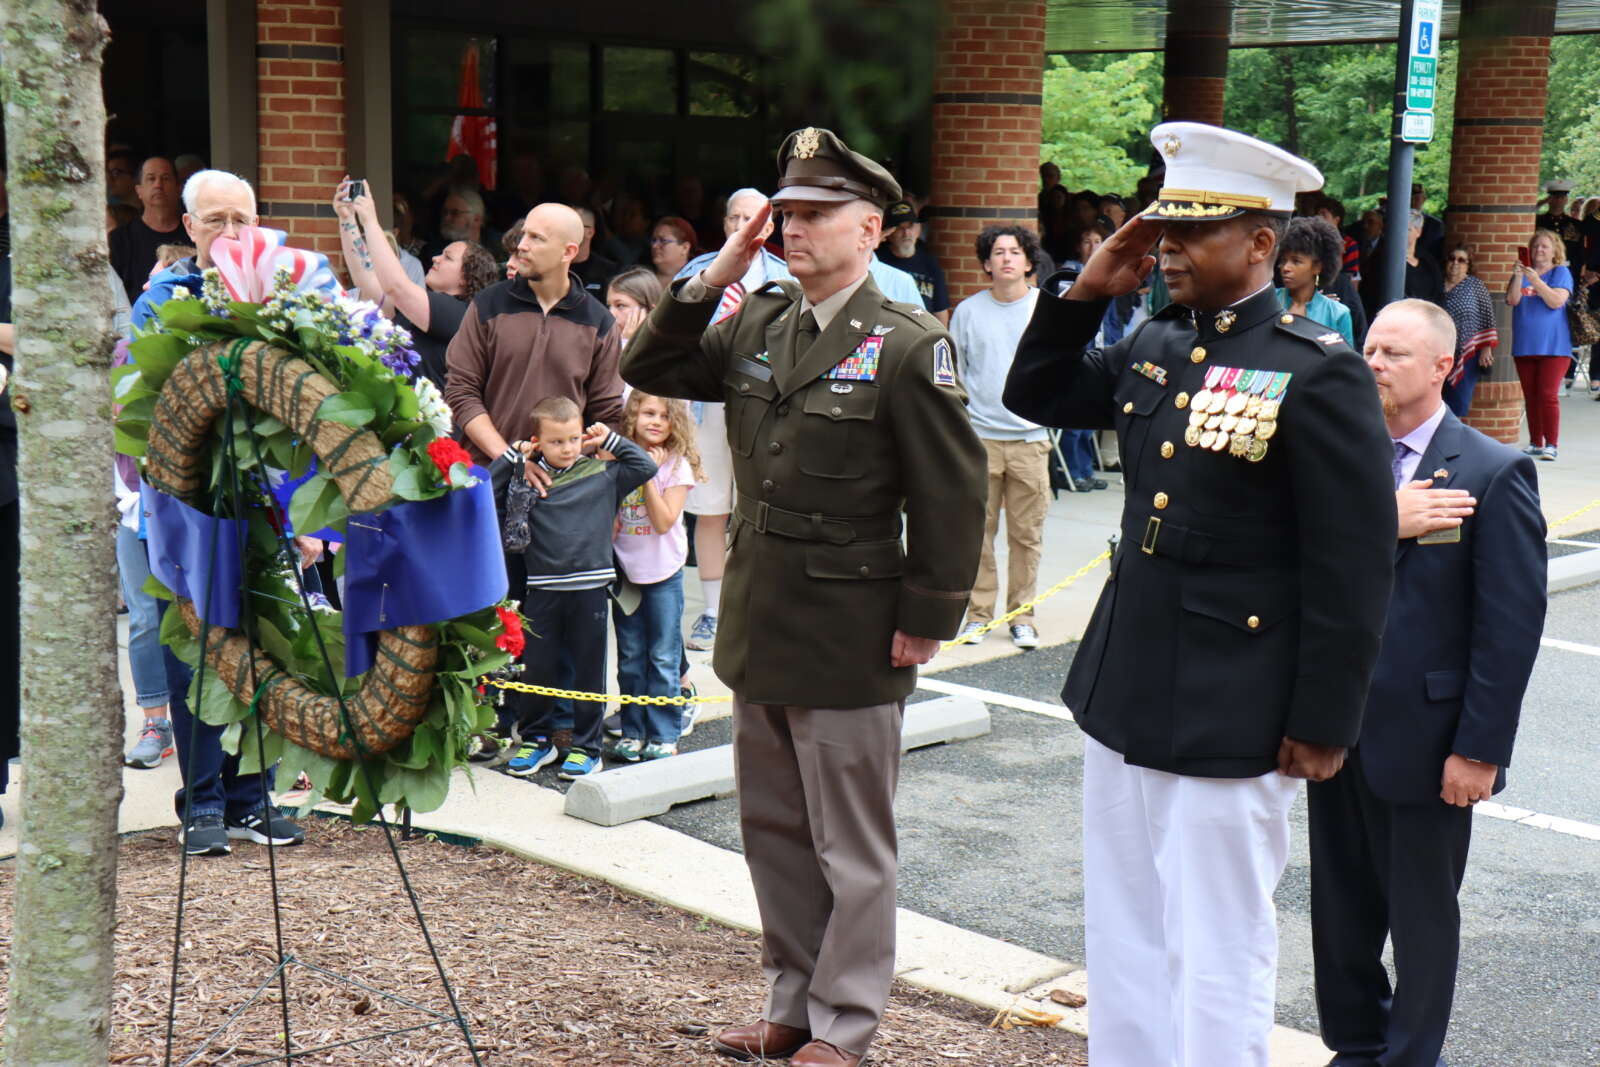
x: 431, y: 407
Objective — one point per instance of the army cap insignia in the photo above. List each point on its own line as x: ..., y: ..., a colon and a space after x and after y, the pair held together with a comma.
x: 807, y: 143
x: 944, y: 365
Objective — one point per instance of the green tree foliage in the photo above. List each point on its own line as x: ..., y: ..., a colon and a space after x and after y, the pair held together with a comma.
x: 1098, y: 111
x: 1333, y: 104
x: 1572, y: 119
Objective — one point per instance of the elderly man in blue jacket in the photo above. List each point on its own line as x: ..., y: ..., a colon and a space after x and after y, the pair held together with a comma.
x: 1389, y: 833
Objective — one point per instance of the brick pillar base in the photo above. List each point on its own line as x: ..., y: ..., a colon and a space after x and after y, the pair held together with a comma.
x: 1494, y: 167
x: 300, y: 64
x: 1497, y: 409
x: 987, y: 92
x: 1195, y: 60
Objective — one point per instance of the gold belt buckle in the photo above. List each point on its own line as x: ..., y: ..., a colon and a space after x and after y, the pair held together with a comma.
x: 1152, y: 529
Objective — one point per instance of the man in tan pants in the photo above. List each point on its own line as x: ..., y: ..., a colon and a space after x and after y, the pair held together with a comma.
x: 987, y: 327
x: 846, y: 422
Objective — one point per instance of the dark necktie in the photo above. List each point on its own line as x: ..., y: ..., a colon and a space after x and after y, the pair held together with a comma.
x: 808, y: 335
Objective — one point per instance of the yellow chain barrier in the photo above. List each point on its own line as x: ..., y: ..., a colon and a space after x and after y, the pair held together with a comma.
x: 575, y: 694
x: 1590, y: 506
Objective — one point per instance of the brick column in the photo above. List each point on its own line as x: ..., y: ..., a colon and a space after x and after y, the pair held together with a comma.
x: 1494, y: 165
x: 1195, y: 60
x: 987, y: 91
x: 300, y: 60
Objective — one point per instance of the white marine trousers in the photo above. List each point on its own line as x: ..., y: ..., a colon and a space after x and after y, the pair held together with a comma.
x: 1180, y: 927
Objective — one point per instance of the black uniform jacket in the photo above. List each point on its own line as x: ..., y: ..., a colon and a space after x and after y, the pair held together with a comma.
x: 832, y: 440
x: 1246, y: 598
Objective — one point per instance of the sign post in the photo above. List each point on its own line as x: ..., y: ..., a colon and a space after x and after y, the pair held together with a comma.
x: 1416, y: 77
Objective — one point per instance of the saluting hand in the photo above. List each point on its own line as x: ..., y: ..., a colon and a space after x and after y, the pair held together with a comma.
x: 1302, y: 759
x: 1121, y: 264
x: 1424, y: 510
x: 739, y: 251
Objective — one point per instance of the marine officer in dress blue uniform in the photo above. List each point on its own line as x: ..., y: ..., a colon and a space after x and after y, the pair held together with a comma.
x: 1231, y: 649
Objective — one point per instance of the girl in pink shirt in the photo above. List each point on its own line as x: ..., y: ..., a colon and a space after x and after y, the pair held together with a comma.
x: 651, y: 547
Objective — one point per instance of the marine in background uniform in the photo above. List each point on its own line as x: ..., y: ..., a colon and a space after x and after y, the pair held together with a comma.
x: 1231, y: 649
x: 847, y: 425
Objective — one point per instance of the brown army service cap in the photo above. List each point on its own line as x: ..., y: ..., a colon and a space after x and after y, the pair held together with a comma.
x: 815, y: 165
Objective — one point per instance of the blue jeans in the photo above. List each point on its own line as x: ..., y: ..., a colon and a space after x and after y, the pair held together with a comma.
x: 649, y: 654
x: 210, y: 775
x: 144, y: 621
x: 1078, y: 450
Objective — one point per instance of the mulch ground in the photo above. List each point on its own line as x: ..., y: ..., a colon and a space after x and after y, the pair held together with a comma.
x: 549, y: 968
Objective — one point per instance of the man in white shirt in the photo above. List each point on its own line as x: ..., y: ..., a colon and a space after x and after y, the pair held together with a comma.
x: 987, y: 327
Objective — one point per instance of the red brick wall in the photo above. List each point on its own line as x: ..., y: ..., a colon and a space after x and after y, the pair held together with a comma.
x: 1494, y: 184
x: 986, y: 128
x: 300, y: 67
x: 1193, y: 99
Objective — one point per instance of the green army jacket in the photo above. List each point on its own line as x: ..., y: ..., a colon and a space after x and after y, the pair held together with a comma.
x: 830, y: 449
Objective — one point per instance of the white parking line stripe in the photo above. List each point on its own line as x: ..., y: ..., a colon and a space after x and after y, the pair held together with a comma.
x: 1570, y: 646
x: 1487, y: 808
x: 988, y: 696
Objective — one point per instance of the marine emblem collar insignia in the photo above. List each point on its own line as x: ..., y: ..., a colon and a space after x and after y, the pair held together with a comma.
x: 807, y: 143
x: 1225, y: 320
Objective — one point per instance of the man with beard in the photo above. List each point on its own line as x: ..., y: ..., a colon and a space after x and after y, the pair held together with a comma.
x: 1389, y: 833
x: 1231, y: 649
x: 902, y: 247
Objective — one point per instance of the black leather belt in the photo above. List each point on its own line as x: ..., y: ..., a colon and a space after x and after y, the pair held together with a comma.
x: 1167, y: 539
x: 815, y: 527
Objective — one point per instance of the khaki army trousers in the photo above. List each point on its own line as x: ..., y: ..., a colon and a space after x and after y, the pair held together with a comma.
x: 816, y: 807
x: 1019, y: 481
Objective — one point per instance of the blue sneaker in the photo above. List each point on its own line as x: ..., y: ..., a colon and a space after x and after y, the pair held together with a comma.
x: 703, y: 634
x: 578, y: 764
x: 530, y: 757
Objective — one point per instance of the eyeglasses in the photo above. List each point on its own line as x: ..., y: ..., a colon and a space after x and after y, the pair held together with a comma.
x: 222, y: 222
x: 667, y: 241
x: 1457, y: 259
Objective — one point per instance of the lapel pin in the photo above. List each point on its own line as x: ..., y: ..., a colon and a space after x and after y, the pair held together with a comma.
x: 1441, y: 473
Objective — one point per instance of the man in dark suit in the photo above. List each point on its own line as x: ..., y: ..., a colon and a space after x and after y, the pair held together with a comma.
x: 1389, y: 834
x: 1231, y: 648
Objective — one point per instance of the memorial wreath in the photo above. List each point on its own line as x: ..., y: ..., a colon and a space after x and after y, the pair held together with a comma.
x: 262, y: 403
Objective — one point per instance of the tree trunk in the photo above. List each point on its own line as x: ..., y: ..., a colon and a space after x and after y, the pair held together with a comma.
x: 59, y: 1009
x: 1291, y: 137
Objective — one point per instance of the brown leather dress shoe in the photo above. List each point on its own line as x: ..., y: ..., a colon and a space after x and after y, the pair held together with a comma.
x: 822, y: 1054
x: 760, y: 1039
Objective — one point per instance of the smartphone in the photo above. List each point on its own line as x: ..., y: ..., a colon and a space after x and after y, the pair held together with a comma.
x: 359, y: 187
x: 1522, y: 257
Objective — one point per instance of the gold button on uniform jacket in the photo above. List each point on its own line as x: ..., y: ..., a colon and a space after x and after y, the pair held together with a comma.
x: 834, y: 436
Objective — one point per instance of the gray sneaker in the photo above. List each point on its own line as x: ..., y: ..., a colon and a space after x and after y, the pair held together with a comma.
x: 1024, y: 636
x: 703, y: 634
x: 971, y: 633
x: 153, y: 746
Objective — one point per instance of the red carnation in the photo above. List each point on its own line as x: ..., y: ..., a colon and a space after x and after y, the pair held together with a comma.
x: 512, y: 640
x: 445, y: 454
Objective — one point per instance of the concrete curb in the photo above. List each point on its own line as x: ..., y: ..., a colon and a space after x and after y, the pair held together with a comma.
x: 1569, y: 572
x: 643, y: 790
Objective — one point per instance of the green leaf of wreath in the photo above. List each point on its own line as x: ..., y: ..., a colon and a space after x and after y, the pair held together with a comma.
x: 347, y: 409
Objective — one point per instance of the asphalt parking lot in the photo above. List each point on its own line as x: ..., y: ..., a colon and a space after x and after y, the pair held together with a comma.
x: 989, y: 833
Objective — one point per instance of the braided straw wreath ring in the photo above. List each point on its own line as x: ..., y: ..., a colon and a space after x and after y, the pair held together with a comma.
x: 394, y: 695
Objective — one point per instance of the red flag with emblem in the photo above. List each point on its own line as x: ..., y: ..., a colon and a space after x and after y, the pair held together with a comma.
x: 473, y: 134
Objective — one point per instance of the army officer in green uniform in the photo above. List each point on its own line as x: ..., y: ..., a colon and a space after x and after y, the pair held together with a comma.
x: 1231, y: 649
x: 844, y: 411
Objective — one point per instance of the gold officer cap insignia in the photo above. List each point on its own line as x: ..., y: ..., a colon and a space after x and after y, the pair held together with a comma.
x: 807, y: 142
x: 1170, y: 146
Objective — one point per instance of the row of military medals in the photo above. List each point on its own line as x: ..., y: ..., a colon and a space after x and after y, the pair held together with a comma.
x: 1237, y: 411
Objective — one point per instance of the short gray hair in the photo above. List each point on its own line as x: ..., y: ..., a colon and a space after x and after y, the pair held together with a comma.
x: 201, y: 179
x: 737, y: 193
x: 473, y: 201
x: 1436, y: 318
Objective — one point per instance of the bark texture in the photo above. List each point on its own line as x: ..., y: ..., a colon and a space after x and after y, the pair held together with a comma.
x: 61, y: 964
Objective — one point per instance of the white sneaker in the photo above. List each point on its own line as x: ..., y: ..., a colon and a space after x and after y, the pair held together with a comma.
x: 1566, y: 388
x: 1023, y: 635
x: 1548, y: 452
x: 971, y: 633
x: 1533, y: 450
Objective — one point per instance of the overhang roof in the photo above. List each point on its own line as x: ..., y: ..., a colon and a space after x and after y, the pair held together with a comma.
x: 1140, y: 25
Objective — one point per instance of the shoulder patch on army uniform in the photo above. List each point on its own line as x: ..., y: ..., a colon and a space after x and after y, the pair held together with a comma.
x: 944, y: 365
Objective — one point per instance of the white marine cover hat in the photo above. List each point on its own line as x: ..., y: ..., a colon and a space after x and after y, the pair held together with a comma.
x: 1214, y: 173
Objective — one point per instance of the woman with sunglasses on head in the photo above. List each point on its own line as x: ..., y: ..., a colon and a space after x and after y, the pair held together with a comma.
x: 1470, y: 307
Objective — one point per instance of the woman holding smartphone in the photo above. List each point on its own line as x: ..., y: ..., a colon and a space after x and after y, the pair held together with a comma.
x: 1541, y: 343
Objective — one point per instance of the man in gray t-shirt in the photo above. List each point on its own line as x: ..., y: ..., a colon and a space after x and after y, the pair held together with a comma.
x: 987, y: 327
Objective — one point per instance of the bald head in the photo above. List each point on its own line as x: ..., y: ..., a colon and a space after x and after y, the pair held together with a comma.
x: 1411, y: 348
x: 551, y: 237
